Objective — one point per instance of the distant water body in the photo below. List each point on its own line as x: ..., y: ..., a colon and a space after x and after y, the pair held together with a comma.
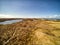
x: 10, y: 21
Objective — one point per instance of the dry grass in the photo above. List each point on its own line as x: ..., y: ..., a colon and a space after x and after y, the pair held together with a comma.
x: 30, y: 32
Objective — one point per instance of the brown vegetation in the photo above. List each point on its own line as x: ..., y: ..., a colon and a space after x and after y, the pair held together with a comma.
x: 29, y: 32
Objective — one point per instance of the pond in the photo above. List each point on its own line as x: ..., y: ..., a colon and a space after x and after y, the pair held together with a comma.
x: 10, y: 21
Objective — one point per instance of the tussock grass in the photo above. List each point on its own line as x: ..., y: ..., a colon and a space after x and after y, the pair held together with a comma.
x: 30, y: 32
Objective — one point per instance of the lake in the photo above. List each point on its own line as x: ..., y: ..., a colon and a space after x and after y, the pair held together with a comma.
x: 10, y: 21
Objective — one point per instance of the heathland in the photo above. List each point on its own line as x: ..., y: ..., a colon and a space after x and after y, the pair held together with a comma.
x: 30, y: 32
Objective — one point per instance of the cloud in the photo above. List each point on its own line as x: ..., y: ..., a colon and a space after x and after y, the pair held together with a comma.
x: 17, y: 16
x: 27, y: 16
x: 14, y: 16
x: 52, y: 16
x: 6, y: 16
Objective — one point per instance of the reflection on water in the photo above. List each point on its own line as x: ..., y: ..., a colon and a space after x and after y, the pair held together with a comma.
x: 10, y: 21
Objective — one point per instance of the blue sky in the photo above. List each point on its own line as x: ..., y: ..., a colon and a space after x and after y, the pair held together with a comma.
x: 29, y: 8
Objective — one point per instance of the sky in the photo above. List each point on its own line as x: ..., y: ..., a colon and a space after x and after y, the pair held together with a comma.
x: 29, y: 8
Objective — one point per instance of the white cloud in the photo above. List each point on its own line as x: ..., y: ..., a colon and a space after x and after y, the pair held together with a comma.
x: 17, y: 16
x: 6, y: 16
x: 26, y: 16
x: 52, y: 16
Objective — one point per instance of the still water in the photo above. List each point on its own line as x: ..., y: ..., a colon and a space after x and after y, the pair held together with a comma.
x: 10, y: 21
